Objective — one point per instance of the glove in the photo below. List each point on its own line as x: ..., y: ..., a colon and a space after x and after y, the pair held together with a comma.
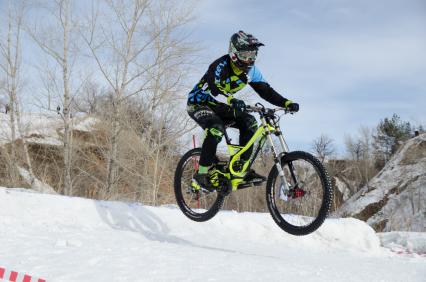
x: 291, y: 106
x: 238, y: 105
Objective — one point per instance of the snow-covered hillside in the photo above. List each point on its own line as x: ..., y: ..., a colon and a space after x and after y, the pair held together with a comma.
x: 396, y: 198
x: 43, y: 128
x: 73, y: 239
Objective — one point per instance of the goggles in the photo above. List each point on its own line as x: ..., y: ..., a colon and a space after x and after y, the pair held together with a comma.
x: 247, y: 56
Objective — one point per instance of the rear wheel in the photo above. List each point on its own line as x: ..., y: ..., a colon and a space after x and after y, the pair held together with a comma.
x: 198, y: 205
x: 302, y: 208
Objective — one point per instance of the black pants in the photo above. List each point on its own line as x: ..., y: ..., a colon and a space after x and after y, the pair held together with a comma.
x: 214, y: 119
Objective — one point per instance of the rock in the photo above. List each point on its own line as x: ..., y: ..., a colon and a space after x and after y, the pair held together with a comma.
x: 394, y: 200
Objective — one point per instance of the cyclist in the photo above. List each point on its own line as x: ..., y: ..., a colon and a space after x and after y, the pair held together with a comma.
x: 226, y: 76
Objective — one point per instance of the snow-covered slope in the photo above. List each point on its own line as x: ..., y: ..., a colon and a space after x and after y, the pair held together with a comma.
x: 73, y: 239
x: 396, y: 198
x: 43, y: 128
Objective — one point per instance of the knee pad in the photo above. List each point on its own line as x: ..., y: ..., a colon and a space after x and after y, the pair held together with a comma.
x: 215, y: 131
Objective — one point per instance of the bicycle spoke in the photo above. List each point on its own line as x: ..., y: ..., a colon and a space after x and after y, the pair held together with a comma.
x: 301, y: 204
x: 198, y: 205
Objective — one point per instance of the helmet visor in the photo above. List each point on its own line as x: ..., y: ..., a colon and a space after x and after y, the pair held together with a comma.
x: 247, y: 56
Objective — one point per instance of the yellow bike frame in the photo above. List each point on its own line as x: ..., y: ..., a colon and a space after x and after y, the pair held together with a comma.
x: 236, y: 151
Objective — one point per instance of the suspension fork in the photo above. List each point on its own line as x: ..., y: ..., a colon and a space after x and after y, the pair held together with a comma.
x: 279, y: 133
x: 286, y: 150
x: 277, y: 155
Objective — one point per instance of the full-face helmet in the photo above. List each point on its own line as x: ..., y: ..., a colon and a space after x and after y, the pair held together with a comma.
x: 243, y: 49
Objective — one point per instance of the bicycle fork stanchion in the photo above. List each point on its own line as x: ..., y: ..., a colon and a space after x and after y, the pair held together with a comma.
x: 282, y: 141
x: 284, y: 188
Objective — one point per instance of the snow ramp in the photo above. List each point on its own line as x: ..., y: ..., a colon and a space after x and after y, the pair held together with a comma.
x: 74, y: 239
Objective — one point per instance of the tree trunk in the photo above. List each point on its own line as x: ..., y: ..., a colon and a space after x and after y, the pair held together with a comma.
x: 67, y: 139
x: 113, y: 155
x: 14, y: 175
x: 12, y: 64
x: 66, y: 110
x: 25, y: 146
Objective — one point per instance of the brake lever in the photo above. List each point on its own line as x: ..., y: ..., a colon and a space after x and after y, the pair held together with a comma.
x: 288, y: 112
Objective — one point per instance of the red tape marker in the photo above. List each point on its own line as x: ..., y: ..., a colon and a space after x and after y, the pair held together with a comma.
x: 14, y: 276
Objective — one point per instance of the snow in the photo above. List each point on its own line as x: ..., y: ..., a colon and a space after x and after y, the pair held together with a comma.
x: 86, y: 123
x: 37, y: 185
x: 406, y: 242
x: 73, y: 239
x: 45, y: 140
x: 43, y: 128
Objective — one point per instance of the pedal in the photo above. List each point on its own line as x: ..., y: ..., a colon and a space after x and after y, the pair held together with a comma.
x: 257, y: 181
x: 253, y: 177
x: 195, y: 192
x: 249, y: 184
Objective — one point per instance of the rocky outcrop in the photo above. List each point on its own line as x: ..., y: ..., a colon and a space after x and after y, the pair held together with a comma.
x: 396, y: 198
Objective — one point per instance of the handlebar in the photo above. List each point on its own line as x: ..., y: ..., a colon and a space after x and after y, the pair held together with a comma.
x: 259, y: 108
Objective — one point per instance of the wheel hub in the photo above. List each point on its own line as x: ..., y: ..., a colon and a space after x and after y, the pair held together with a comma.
x: 296, y: 192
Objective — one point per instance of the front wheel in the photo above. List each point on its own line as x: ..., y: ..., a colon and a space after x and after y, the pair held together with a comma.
x: 300, y: 205
x: 197, y: 205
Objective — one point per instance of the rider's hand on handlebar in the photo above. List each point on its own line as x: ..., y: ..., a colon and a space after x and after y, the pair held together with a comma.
x: 238, y: 105
x: 291, y: 106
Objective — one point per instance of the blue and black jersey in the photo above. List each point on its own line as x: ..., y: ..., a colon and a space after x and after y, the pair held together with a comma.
x: 224, y: 78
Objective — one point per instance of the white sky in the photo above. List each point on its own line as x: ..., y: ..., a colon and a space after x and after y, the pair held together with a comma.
x: 348, y: 63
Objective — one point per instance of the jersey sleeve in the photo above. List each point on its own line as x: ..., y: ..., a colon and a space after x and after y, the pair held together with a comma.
x: 259, y: 84
x: 213, y: 77
x: 254, y: 75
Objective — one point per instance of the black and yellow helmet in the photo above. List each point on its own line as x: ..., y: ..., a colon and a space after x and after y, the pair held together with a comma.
x: 243, y: 49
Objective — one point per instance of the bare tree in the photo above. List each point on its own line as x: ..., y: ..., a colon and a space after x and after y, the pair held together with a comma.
x: 11, y: 62
x: 166, y: 123
x: 10, y: 54
x: 354, y: 147
x: 138, y: 37
x: 90, y: 98
x: 323, y: 147
x: 4, y: 98
x: 360, y: 151
x: 366, y: 137
x: 58, y: 42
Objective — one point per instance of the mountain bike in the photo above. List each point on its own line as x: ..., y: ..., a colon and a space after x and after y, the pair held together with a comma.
x: 298, y: 189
